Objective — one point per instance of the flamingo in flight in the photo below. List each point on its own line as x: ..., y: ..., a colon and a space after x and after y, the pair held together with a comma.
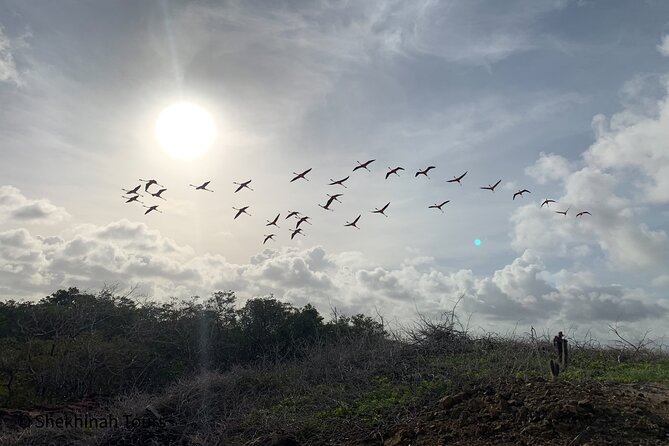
x: 301, y: 175
x: 491, y: 188
x: 457, y: 179
x: 438, y: 206
x: 302, y: 220
x: 338, y: 182
x: 334, y: 197
x: 327, y: 206
x: 353, y: 223
x: 562, y: 212
x: 295, y: 232
x: 363, y: 165
x: 424, y: 172
x: 393, y: 171
x: 521, y: 192
x: 157, y: 194
x: 149, y: 183
x: 382, y: 210
x: 584, y: 212
x: 546, y: 201
x: 291, y: 214
x: 243, y: 185
x: 241, y: 211
x: 152, y: 208
x: 268, y: 237
x: 202, y: 186
x: 132, y: 191
x: 273, y: 222
x: 133, y: 198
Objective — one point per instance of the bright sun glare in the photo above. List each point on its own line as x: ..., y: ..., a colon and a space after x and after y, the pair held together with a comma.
x: 185, y: 130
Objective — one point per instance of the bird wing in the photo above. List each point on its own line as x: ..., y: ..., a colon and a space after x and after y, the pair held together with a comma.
x: 239, y: 188
x: 356, y: 220
x: 386, y: 206
x: 447, y: 201
x: 497, y: 184
x: 463, y: 175
x: 388, y: 174
x: 516, y: 194
x: 400, y: 168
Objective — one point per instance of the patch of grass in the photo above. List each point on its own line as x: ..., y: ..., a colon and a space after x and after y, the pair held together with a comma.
x: 626, y: 372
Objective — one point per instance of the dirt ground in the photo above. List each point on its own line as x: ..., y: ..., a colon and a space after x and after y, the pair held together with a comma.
x: 543, y: 413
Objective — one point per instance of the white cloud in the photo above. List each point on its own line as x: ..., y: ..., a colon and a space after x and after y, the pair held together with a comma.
x: 549, y: 168
x: 8, y: 70
x: 14, y: 206
x: 663, y: 47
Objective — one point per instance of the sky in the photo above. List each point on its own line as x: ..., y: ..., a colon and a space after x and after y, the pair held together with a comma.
x: 568, y: 99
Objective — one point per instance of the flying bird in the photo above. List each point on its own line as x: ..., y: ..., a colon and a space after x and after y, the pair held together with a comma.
x: 152, y: 208
x: 326, y: 207
x: 425, y: 171
x: 492, y: 188
x: 562, y: 212
x: 457, y: 179
x: 202, y: 186
x: 149, y: 183
x: 438, y: 206
x: 292, y: 213
x: 584, y: 212
x: 241, y: 211
x: 243, y: 185
x: 302, y: 220
x: 273, y: 222
x: 157, y: 194
x: 363, y: 165
x: 301, y: 175
x: 332, y: 198
x: 268, y: 237
x: 546, y: 201
x: 295, y: 232
x: 133, y: 198
x: 393, y: 171
x: 382, y: 210
x: 338, y: 182
x: 521, y: 192
x: 353, y: 223
x: 132, y: 191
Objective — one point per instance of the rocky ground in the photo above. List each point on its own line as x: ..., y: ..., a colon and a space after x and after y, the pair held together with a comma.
x: 543, y: 413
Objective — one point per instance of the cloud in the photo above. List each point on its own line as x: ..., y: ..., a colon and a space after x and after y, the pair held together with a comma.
x: 14, y: 206
x: 8, y: 70
x: 663, y: 47
x: 549, y: 168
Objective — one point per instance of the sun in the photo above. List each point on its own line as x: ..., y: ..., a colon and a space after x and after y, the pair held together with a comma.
x: 185, y: 130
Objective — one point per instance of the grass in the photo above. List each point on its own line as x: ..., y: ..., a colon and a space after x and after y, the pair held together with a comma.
x: 359, y: 387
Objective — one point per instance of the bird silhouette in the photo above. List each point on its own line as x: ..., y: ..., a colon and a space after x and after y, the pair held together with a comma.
x: 562, y: 212
x: 582, y: 213
x: 273, y: 222
x: 521, y: 192
x: 363, y: 165
x: 159, y: 193
x: 424, y: 172
x: 491, y: 188
x: 243, y: 185
x: 338, y: 182
x: 382, y: 210
x: 152, y: 208
x: 132, y: 191
x: 326, y: 206
x: 302, y: 220
x: 457, y: 179
x: 291, y: 214
x: 241, y: 211
x: 438, y: 206
x: 268, y: 237
x: 301, y: 175
x: 393, y: 171
x: 353, y: 223
x: 295, y: 232
x: 149, y: 183
x: 546, y: 201
x: 202, y: 186
x: 133, y: 198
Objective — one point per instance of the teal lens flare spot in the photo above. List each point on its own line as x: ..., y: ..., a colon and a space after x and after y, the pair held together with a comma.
x: 477, y: 242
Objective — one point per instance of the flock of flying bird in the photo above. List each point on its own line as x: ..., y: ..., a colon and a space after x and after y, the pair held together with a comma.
x: 133, y: 195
